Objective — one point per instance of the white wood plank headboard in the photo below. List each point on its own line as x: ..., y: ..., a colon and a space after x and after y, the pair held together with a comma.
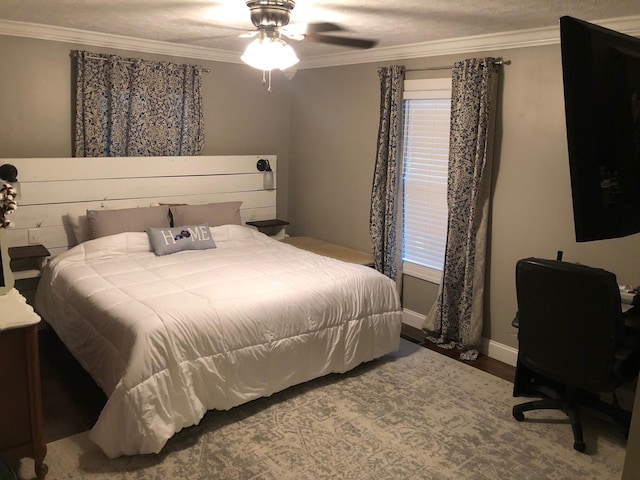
x: 52, y: 188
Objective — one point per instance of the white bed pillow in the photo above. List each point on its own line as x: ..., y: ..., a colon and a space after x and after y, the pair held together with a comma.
x: 171, y: 240
x: 80, y: 227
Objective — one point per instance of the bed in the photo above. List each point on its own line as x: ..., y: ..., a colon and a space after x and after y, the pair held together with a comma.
x: 169, y: 337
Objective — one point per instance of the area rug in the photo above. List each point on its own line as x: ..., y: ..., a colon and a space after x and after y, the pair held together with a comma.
x: 412, y: 415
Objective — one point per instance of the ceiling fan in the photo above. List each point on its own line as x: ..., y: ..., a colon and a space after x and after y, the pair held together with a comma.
x: 274, y: 16
x: 271, y: 18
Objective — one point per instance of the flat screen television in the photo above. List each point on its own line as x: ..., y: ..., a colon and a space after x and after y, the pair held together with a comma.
x: 601, y: 77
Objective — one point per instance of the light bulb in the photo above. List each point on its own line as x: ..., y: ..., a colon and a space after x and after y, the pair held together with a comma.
x: 269, y: 53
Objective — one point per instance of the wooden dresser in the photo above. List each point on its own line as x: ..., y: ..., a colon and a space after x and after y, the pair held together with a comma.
x: 21, y: 419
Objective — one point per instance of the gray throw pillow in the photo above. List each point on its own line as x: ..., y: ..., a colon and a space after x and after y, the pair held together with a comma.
x: 171, y: 240
x: 109, y: 222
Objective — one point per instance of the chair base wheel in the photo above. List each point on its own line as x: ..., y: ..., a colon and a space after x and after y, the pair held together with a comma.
x: 519, y: 416
x: 579, y: 446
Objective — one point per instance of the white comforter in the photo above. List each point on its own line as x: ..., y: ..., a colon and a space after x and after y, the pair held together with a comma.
x: 168, y: 338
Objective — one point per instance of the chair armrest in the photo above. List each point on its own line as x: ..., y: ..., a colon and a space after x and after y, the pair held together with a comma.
x: 632, y: 318
x: 627, y: 356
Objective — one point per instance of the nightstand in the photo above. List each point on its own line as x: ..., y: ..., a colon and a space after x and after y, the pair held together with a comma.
x: 270, y: 227
x: 21, y: 418
x: 26, y: 263
x: 332, y: 250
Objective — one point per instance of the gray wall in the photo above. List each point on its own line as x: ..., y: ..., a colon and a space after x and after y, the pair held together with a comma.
x: 322, y: 124
x: 334, y: 119
x: 334, y: 126
x: 241, y: 118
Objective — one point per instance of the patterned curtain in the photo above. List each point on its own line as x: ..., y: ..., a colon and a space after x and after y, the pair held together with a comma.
x: 130, y: 107
x: 458, y: 313
x: 386, y: 195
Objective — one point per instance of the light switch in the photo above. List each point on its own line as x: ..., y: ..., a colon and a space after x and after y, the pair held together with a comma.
x: 34, y: 236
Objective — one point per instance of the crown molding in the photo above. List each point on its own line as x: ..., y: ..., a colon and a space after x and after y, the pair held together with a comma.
x: 495, y: 41
x: 96, y: 39
x: 499, y: 41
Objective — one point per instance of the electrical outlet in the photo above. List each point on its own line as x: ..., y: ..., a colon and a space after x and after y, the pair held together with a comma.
x: 34, y: 236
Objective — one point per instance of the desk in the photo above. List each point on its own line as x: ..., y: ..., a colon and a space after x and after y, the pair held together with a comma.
x: 22, y: 432
x: 332, y: 250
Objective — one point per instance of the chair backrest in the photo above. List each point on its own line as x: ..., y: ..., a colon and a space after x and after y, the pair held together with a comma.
x: 570, y: 322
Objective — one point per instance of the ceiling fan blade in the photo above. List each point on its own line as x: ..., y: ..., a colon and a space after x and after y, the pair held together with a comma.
x: 342, y: 41
x: 292, y: 35
x: 295, y: 30
x: 321, y: 27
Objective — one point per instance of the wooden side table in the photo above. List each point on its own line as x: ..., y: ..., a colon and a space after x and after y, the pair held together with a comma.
x: 21, y: 418
x: 332, y: 250
x: 270, y: 227
x: 26, y: 263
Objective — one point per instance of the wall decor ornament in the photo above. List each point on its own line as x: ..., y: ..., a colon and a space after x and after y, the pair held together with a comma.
x: 7, y: 206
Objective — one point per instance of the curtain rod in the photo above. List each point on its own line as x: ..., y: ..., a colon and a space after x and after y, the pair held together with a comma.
x: 205, y: 70
x: 449, y: 67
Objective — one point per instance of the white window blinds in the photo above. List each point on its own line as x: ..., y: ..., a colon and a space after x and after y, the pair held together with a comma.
x: 427, y: 112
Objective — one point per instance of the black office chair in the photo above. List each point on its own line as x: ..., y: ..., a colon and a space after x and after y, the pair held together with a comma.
x: 573, y: 342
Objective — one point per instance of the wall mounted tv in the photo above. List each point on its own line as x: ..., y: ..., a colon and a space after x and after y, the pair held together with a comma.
x: 601, y: 77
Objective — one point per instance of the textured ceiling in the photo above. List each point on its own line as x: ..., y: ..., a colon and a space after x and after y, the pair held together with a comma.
x: 216, y: 24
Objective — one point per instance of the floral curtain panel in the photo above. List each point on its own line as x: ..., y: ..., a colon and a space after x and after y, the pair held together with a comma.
x: 386, y: 195
x: 458, y: 312
x: 131, y: 107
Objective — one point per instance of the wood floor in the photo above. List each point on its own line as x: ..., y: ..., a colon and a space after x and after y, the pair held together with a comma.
x: 72, y: 401
x: 487, y: 364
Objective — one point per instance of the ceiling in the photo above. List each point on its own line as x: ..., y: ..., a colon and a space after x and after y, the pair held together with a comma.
x: 210, y: 28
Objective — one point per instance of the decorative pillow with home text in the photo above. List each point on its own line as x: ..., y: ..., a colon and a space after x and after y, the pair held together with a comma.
x: 189, y: 237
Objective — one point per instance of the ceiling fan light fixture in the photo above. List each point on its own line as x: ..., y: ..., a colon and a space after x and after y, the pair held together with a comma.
x: 268, y: 53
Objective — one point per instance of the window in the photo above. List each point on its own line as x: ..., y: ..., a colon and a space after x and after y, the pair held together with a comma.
x: 427, y: 112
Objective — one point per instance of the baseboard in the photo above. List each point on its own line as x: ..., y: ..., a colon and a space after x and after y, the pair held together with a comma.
x: 499, y: 351
x: 413, y: 319
x: 490, y: 348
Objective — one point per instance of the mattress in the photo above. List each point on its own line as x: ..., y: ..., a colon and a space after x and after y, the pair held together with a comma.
x: 169, y: 337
